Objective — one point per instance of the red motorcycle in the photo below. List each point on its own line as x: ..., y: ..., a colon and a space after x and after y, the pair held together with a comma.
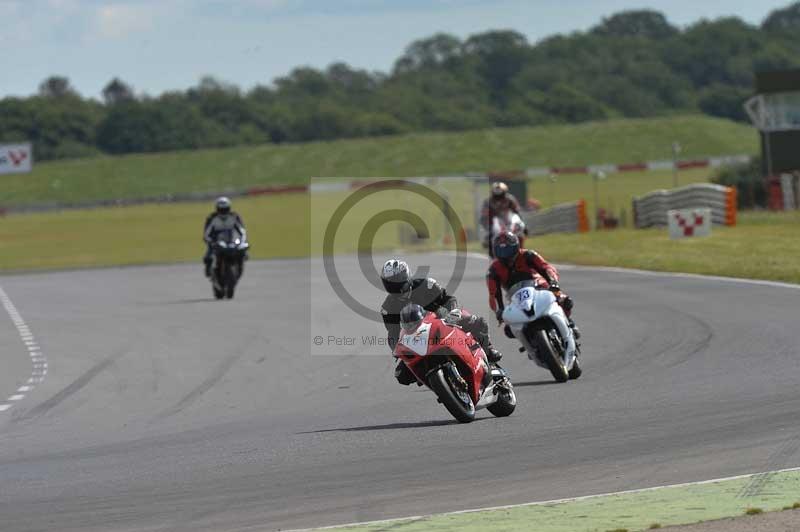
x: 453, y: 364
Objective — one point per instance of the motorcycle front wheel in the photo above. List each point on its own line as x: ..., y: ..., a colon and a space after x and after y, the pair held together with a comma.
x: 548, y: 355
x: 228, y: 279
x: 217, y: 287
x: 456, y: 400
x: 231, y: 283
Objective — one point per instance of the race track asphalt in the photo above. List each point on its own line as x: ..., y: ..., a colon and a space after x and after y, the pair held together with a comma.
x: 166, y: 410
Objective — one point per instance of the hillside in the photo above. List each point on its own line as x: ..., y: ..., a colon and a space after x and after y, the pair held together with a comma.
x: 142, y: 176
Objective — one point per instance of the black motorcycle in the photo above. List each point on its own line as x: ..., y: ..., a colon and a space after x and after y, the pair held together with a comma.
x: 229, y: 253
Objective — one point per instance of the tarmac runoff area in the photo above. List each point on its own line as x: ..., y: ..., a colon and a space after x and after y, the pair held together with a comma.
x: 711, y: 502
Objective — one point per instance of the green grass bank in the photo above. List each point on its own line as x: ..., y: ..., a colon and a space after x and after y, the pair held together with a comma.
x: 142, y: 176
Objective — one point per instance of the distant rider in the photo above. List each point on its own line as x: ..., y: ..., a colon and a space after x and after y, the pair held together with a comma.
x: 498, y: 204
x: 513, y: 264
x: 222, y: 219
x: 429, y: 294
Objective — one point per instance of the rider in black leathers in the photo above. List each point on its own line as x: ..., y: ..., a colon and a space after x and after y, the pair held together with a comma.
x: 222, y: 218
x: 430, y: 295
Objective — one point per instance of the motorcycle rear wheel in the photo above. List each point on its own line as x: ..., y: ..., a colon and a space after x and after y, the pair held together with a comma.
x: 440, y: 384
x: 549, y: 356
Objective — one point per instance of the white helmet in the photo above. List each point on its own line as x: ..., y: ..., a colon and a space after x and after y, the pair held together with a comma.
x: 395, y: 276
x: 499, y: 189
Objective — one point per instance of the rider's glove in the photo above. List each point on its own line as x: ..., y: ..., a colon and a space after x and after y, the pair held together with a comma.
x: 453, y: 317
x: 499, y: 315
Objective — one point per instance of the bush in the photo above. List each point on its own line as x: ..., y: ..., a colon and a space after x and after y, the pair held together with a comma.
x: 748, y: 181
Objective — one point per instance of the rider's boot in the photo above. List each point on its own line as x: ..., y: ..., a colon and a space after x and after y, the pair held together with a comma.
x: 493, y: 354
x: 567, y: 304
x: 575, y: 331
x: 403, y: 374
x: 208, y: 267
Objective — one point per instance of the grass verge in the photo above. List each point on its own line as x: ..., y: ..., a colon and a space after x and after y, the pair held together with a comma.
x: 763, y: 246
x: 145, y: 234
x: 631, y: 511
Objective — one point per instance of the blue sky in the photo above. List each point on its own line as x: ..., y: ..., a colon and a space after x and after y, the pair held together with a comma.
x: 158, y: 45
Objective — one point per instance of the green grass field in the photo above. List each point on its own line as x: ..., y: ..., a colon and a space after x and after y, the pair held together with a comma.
x: 138, y: 176
x: 614, y: 193
x: 764, y: 245
x: 292, y: 225
x: 145, y: 234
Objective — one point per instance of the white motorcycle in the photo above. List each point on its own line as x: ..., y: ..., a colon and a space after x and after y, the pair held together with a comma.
x: 536, y: 319
x: 512, y: 222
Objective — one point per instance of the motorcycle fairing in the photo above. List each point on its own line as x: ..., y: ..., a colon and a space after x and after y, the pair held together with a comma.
x: 527, y: 305
x: 417, y: 341
x: 452, y: 342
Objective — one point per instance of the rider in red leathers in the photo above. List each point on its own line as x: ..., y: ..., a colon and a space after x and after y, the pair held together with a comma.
x: 514, y: 264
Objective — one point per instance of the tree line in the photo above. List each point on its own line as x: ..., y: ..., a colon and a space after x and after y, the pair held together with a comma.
x: 632, y: 64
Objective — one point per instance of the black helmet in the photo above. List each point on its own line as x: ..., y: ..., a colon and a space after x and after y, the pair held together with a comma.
x: 223, y: 205
x: 395, y: 276
x: 411, y: 316
x: 505, y: 245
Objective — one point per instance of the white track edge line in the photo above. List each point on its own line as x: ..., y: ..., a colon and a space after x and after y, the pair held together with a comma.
x: 37, y: 358
x: 554, y: 501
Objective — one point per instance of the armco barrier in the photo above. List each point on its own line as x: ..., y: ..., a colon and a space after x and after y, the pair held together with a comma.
x: 710, y: 162
x: 565, y: 218
x: 651, y: 209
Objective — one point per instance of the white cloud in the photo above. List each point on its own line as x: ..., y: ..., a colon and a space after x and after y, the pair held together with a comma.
x: 116, y: 21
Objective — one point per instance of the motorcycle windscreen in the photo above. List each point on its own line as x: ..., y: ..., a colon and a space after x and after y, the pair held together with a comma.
x: 521, y: 292
x: 417, y: 341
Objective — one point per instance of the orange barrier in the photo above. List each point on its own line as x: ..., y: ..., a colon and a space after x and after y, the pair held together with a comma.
x: 583, y: 219
x: 731, y: 206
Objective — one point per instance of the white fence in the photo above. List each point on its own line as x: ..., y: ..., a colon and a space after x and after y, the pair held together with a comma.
x: 651, y: 209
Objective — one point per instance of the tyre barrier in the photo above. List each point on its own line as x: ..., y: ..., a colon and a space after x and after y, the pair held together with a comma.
x: 564, y: 218
x: 651, y: 210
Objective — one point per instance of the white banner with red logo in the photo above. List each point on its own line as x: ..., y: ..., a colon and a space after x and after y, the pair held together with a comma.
x: 16, y: 158
x: 686, y: 223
